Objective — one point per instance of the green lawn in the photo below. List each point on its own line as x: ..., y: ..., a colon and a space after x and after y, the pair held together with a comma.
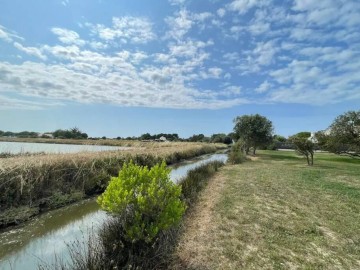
x: 276, y: 212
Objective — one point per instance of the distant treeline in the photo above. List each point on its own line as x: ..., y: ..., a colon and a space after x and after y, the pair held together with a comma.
x: 72, y: 133
x: 215, y: 138
x: 76, y: 133
x: 23, y: 134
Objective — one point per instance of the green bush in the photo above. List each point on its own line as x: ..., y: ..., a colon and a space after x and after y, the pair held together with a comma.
x: 236, y: 154
x: 146, y: 199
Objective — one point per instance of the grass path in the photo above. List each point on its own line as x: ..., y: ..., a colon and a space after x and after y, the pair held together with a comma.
x: 276, y: 213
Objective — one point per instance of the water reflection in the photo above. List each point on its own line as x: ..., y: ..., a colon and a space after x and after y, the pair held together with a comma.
x: 52, y: 148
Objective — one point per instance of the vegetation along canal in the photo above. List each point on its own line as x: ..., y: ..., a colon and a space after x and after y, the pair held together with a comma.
x: 43, y: 237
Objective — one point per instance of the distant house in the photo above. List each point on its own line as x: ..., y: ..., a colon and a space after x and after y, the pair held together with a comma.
x: 312, y: 138
x: 46, y: 135
x: 161, y: 139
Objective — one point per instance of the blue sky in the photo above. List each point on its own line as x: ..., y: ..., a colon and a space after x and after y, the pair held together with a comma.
x: 123, y: 68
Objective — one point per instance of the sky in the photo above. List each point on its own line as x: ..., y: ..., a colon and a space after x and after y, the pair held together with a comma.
x: 124, y: 68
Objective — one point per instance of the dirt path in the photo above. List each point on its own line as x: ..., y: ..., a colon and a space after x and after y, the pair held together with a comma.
x: 199, y: 228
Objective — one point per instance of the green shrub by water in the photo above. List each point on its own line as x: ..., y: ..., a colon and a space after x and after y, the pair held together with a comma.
x: 236, y: 154
x: 146, y: 200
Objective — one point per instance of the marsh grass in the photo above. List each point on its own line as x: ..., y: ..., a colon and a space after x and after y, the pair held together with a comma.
x: 40, y: 183
x: 277, y: 213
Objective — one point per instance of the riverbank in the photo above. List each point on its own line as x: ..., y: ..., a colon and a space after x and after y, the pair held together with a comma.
x: 276, y: 212
x: 32, y: 185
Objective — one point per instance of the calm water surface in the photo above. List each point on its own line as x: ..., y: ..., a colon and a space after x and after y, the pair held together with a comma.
x: 48, y: 234
x: 52, y: 148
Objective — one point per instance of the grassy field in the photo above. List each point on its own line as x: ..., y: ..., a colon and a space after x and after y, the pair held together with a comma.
x: 275, y: 212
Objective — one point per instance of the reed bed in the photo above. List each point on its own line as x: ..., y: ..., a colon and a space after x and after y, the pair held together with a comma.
x: 31, y: 185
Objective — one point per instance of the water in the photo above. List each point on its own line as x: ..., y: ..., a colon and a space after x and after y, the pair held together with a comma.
x: 52, y: 148
x: 48, y: 234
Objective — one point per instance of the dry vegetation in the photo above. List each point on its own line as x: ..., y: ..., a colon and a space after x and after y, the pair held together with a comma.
x: 109, y: 142
x: 31, y: 184
x: 276, y: 213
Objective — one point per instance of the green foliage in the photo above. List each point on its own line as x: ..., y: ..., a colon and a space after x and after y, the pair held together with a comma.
x: 196, y: 138
x: 236, y: 154
x: 304, y: 146
x: 343, y: 136
x: 220, y: 138
x: 73, y: 133
x: 254, y: 130
x: 277, y: 142
x: 146, y: 199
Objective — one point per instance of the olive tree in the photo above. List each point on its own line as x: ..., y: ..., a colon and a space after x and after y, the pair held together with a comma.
x: 343, y: 135
x: 253, y: 130
x: 304, y: 146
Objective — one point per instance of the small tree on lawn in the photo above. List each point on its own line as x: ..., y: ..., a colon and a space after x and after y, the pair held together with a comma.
x: 304, y: 146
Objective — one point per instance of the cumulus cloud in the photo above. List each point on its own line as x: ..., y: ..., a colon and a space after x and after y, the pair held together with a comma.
x: 67, y: 36
x: 308, y: 52
x: 125, y: 29
x: 243, y: 6
x: 30, y: 50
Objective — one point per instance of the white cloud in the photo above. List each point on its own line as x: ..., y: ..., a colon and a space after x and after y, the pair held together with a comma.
x: 19, y: 104
x: 242, y: 6
x: 221, y: 12
x: 125, y: 29
x: 265, y: 86
x: 7, y: 35
x: 215, y: 72
x: 180, y: 24
x: 227, y: 76
x: 67, y: 36
x: 262, y: 55
x: 30, y: 50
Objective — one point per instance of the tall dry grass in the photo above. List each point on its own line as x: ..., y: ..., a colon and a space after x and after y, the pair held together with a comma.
x: 30, y: 185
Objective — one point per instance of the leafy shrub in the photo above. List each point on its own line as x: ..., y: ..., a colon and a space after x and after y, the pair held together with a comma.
x: 147, y: 201
x: 236, y: 154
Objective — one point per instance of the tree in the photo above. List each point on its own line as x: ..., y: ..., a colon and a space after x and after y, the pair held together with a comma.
x: 304, y: 146
x: 146, y: 200
x: 253, y: 130
x: 276, y: 143
x: 343, y: 135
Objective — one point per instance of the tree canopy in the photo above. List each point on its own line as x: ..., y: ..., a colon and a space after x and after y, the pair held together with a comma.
x: 73, y: 133
x: 343, y: 135
x: 253, y: 130
x: 304, y: 146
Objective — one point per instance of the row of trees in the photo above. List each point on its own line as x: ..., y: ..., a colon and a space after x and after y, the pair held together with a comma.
x: 23, y: 134
x: 342, y: 137
x: 72, y: 133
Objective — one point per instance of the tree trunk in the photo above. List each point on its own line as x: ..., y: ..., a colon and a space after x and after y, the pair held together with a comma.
x: 254, y: 149
x: 307, y: 159
x: 312, y: 159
